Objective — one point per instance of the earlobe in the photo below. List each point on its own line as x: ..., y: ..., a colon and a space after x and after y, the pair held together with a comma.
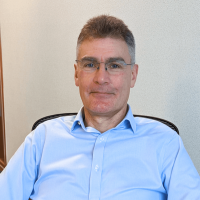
x: 134, y: 73
x: 76, y: 75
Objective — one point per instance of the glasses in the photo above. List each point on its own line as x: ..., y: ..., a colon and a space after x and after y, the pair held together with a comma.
x: 114, y: 67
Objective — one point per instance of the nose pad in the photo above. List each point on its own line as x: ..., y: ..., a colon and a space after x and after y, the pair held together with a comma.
x: 105, y: 68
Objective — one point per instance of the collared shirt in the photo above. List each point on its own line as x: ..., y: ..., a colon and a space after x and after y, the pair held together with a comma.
x: 138, y: 159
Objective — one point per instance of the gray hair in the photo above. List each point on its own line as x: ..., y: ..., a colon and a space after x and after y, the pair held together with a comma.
x: 107, y: 26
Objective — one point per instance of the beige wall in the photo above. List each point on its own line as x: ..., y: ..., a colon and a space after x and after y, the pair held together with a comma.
x: 39, y: 39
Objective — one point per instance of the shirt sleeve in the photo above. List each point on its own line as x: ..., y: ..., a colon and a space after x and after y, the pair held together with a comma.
x: 17, y: 179
x: 181, y: 179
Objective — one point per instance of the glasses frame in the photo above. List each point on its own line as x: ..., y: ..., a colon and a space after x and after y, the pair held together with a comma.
x: 106, y: 63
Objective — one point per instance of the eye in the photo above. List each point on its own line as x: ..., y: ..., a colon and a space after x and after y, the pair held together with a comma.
x: 89, y: 65
x: 115, y: 65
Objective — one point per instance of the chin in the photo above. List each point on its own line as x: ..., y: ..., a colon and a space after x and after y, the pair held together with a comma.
x: 101, y: 108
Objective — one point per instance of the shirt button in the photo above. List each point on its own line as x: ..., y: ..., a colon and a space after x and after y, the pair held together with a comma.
x: 96, y: 168
x: 79, y: 123
x: 101, y: 139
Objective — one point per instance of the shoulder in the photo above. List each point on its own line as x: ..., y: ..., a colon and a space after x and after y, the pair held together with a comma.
x: 53, y: 128
x: 58, y: 122
x: 155, y: 129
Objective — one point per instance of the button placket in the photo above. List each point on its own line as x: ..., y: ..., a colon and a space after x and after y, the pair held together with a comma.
x: 97, y: 162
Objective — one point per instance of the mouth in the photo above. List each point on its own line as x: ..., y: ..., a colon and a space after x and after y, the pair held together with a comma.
x: 101, y: 94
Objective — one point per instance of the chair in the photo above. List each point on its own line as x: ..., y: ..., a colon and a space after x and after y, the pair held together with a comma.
x: 39, y: 121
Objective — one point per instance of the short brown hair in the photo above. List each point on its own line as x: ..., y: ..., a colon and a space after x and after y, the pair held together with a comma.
x: 107, y: 26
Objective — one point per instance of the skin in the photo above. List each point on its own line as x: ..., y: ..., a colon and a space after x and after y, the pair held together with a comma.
x: 104, y: 96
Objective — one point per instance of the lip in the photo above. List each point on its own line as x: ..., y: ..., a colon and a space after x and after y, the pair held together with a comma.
x: 101, y: 94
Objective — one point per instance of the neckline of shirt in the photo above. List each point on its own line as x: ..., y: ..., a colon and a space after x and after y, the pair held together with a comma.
x: 127, y: 122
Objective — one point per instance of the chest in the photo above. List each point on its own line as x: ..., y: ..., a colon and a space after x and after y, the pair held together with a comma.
x: 100, y: 168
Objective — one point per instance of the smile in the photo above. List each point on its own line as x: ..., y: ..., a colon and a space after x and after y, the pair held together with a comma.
x: 101, y: 94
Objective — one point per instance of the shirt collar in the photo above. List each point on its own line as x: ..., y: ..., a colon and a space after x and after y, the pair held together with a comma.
x: 78, y: 120
x: 128, y: 119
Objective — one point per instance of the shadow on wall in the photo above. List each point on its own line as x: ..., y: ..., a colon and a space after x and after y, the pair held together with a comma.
x: 184, y: 110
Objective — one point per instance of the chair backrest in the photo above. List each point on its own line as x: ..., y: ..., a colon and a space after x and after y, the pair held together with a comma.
x: 39, y: 121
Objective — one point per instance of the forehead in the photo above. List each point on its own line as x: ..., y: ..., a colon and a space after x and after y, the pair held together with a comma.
x: 104, y: 48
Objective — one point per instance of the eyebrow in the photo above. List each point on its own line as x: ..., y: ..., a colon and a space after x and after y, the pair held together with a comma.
x: 112, y: 59
x: 89, y: 59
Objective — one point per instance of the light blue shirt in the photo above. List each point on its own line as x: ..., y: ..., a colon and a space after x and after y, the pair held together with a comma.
x: 139, y: 159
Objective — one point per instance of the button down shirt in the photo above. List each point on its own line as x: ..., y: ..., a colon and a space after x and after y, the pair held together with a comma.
x: 138, y: 159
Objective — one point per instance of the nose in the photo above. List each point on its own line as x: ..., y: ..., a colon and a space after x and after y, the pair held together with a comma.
x: 101, y: 75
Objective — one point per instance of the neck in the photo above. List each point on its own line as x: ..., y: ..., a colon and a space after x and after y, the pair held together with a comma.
x: 104, y: 122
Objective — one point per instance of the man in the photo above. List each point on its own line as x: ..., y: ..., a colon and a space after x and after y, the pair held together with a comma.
x: 103, y: 153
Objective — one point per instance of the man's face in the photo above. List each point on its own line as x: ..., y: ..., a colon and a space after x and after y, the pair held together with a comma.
x: 102, y: 93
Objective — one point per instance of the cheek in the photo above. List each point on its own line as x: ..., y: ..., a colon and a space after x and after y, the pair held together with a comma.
x: 84, y: 82
x: 123, y: 83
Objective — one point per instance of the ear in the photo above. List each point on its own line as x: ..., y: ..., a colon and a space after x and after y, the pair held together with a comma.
x: 134, y: 73
x: 76, y: 75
